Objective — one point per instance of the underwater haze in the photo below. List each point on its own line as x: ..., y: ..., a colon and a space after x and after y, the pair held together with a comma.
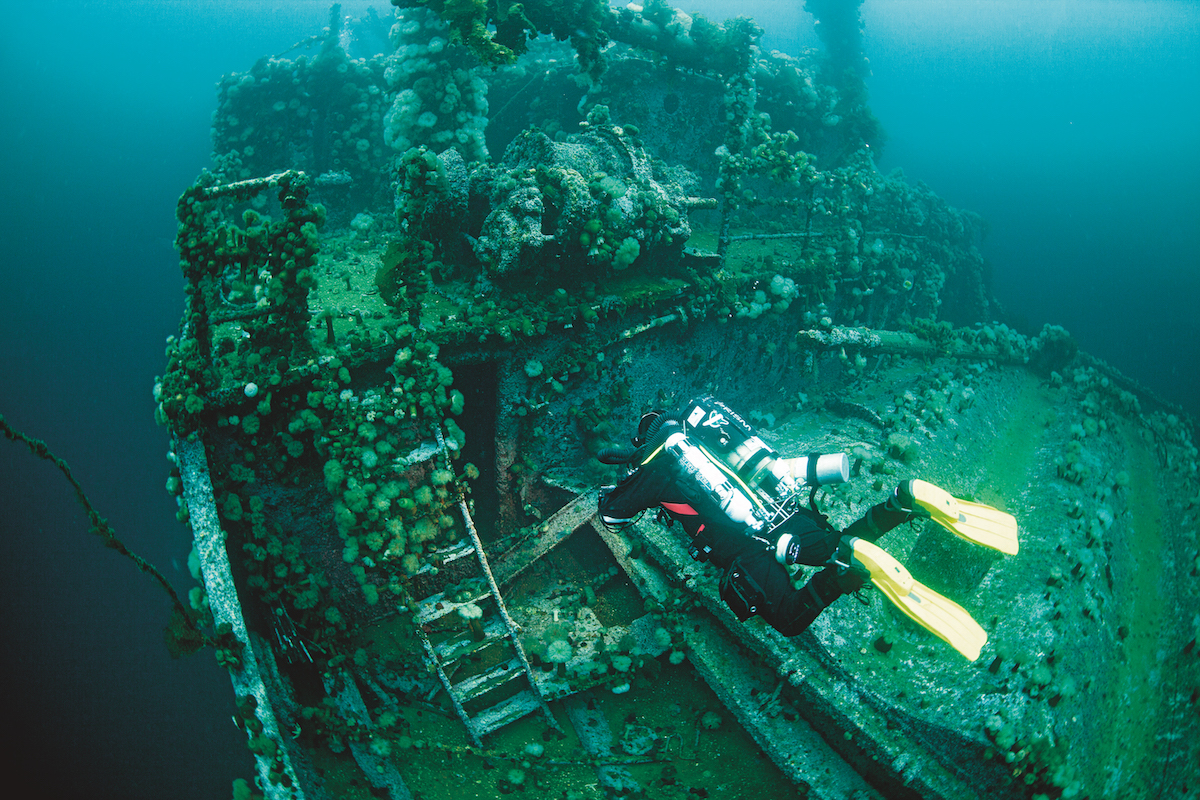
x: 1069, y: 125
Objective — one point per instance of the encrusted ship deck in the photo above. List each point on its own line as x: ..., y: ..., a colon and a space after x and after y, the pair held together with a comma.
x: 385, y: 424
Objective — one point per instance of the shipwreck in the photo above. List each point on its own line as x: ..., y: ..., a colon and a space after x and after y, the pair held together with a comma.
x: 437, y: 267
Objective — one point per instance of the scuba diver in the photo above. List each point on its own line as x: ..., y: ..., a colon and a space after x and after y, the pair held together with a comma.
x: 740, y: 502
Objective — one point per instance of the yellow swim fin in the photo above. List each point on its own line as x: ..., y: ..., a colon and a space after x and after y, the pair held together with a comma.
x: 940, y: 616
x: 974, y: 522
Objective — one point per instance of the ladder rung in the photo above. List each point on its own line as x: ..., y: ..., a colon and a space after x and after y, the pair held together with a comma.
x: 521, y: 704
x: 461, y: 644
x: 460, y: 549
x: 484, y: 682
x: 437, y: 606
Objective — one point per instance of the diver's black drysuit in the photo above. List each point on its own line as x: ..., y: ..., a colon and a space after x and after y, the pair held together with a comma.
x: 754, y: 580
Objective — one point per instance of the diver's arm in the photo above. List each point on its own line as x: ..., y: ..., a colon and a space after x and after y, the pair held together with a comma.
x: 641, y: 489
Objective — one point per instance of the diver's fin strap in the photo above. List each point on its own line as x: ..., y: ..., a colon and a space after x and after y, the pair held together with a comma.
x: 975, y: 522
x: 939, y: 615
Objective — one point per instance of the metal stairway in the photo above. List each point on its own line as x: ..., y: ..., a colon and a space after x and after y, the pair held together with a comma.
x: 498, y: 686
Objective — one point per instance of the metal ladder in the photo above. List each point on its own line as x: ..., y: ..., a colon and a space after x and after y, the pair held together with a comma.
x: 499, y: 631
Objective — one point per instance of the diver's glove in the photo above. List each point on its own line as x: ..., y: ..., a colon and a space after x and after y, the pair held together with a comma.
x: 851, y: 575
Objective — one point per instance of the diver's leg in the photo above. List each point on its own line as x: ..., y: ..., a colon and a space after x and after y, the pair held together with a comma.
x: 791, y: 610
x: 881, y: 518
x: 796, y: 611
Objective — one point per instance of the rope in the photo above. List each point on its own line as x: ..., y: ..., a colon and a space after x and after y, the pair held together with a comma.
x: 100, y: 526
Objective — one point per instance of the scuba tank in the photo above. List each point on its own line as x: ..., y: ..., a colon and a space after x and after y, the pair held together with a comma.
x: 749, y: 481
x: 773, y: 483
